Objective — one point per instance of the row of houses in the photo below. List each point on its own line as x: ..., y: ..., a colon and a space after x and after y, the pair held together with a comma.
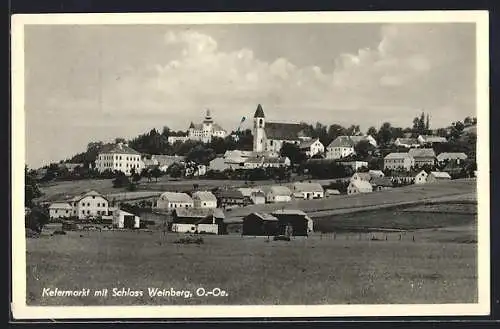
x: 419, y: 157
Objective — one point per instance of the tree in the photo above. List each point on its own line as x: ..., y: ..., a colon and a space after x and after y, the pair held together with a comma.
x: 36, y: 219
x: 121, y: 180
x: 335, y: 131
x: 156, y: 173
x: 372, y: 131
x: 120, y: 140
x: 384, y: 135
x: 200, y: 155
x: 468, y: 121
x: 136, y: 177
x: 147, y: 174
x: 363, y: 149
x: 31, y: 189
x: 353, y: 130
x: 293, y: 152
x: 457, y: 129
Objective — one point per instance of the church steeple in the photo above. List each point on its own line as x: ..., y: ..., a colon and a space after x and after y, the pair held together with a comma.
x: 259, y: 113
x: 208, y: 117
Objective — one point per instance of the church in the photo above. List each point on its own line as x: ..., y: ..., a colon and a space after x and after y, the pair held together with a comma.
x: 206, y: 130
x: 269, y: 137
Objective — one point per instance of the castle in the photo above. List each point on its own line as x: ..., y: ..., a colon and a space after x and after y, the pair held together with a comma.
x: 270, y: 136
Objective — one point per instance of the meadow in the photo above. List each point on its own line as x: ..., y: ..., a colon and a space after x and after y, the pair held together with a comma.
x: 431, y: 265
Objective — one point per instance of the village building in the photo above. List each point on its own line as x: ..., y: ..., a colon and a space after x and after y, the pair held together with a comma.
x: 420, y: 177
x: 87, y: 205
x: 270, y: 136
x: 204, y: 199
x: 376, y: 173
x: 437, y: 176
x: 340, y: 147
x: 446, y: 157
x: 355, y: 165
x: 429, y: 139
x: 195, y: 170
x: 330, y: 192
x: 381, y: 183
x: 231, y: 198
x: 277, y: 193
x: 206, y: 130
x: 307, y: 191
x: 423, y: 157
x: 164, y: 161
x: 359, y: 186
x: 174, y: 139
x: 219, y: 164
x: 119, y: 157
x: 256, y: 195
x: 398, y: 161
x: 293, y: 222
x: 198, y: 220
x: 260, y: 224
x: 312, y: 147
x: 361, y: 176
x: 173, y: 200
x: 407, y: 142
x: 125, y: 220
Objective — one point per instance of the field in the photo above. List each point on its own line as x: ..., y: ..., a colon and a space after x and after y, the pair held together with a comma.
x: 433, y: 264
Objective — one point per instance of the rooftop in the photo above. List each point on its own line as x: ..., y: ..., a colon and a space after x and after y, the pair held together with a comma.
x: 175, y: 197
x: 397, y: 155
x: 118, y: 148
x: 422, y: 153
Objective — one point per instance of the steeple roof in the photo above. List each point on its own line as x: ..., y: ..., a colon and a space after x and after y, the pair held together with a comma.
x: 259, y: 113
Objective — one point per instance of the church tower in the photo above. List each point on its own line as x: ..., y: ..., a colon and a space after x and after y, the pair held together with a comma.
x: 207, y: 128
x: 259, y: 135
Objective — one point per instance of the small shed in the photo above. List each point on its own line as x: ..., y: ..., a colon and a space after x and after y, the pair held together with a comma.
x: 308, y: 191
x: 436, y: 176
x: 381, y: 183
x: 198, y: 220
x: 277, y: 193
x: 293, y: 222
x: 204, y: 199
x: 359, y: 186
x: 260, y: 224
x: 123, y: 219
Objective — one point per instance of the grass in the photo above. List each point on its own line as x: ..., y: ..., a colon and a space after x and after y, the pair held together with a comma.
x: 351, y: 268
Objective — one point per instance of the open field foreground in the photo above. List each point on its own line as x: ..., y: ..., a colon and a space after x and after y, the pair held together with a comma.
x: 426, y: 266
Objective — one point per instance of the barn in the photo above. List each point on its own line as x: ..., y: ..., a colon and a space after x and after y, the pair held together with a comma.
x: 198, y: 220
x: 260, y: 224
x: 437, y: 176
x: 123, y: 219
x: 293, y: 222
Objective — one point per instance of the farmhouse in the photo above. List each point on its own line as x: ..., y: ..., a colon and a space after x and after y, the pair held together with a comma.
x: 293, y: 222
x: 398, y: 160
x: 381, y: 183
x: 123, y: 219
x: 456, y: 157
x: 231, y: 198
x: 277, y: 193
x: 429, y: 139
x: 204, y: 199
x: 422, y: 157
x: 257, y: 196
x: 270, y: 136
x: 359, y: 186
x: 172, y: 200
x: 60, y: 210
x: 87, y: 205
x: 312, y: 147
x: 361, y: 176
x: 340, y: 147
x: 407, y: 142
x: 198, y: 220
x: 174, y: 139
x: 260, y: 224
x: 119, y: 157
x: 308, y: 191
x: 420, y: 177
x: 206, y: 130
x: 437, y: 176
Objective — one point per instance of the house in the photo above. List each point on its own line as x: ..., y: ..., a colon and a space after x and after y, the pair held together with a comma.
x: 446, y: 157
x: 196, y: 170
x: 361, y: 138
x: 420, y: 177
x: 60, y: 210
x: 407, y: 142
x: 376, y: 173
x: 361, y: 176
x: 293, y: 222
x: 436, y: 176
x: 257, y: 196
x: 381, y: 183
x: 423, y: 156
x: 174, y: 139
x: 206, y: 130
x: 270, y: 136
x: 429, y: 139
x: 86, y: 205
x: 123, y: 219
x: 173, y: 200
x: 198, y: 220
x: 399, y: 160
x: 312, y: 147
x: 204, y: 199
x: 164, y: 161
x: 119, y: 157
x: 276, y: 162
x: 277, y: 193
x: 355, y: 165
x: 359, y: 186
x: 260, y: 224
x: 231, y: 198
x: 340, y: 147
x: 308, y: 191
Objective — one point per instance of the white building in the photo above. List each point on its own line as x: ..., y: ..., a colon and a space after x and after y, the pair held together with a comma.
x: 123, y: 219
x: 340, y: 147
x: 398, y: 160
x: 359, y: 186
x: 312, y: 147
x: 421, y: 177
x: 407, y: 142
x: 277, y: 193
x: 119, y: 157
x: 88, y: 205
x: 271, y: 136
x: 355, y: 165
x: 428, y: 139
x: 436, y: 176
x: 173, y: 200
x: 206, y: 130
x: 376, y: 173
x: 308, y: 191
x: 204, y: 199
x: 456, y: 157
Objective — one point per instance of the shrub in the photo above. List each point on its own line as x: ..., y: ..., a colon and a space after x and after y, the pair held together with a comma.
x: 190, y: 240
x: 59, y: 232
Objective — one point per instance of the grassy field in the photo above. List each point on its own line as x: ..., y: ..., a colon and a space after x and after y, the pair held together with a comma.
x: 434, y: 265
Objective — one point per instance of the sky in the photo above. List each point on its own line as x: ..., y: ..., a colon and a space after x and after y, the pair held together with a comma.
x: 87, y: 83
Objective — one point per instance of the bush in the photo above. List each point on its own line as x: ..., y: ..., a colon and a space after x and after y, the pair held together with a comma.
x: 190, y: 240
x: 59, y: 232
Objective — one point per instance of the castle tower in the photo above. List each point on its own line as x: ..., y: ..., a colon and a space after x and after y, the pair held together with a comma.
x: 259, y: 136
x: 207, y: 128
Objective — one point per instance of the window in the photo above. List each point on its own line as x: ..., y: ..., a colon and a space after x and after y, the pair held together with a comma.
x: 93, y: 197
x: 88, y: 212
